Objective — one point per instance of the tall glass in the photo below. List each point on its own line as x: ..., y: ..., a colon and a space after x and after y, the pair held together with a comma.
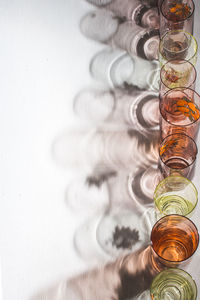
x: 176, y: 74
x: 174, y: 239
x: 177, y: 44
x: 176, y: 15
x: 173, y: 284
x: 177, y: 155
x: 176, y: 195
x: 180, y: 112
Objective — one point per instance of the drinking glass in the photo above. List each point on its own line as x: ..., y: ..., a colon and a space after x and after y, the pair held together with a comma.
x: 176, y: 195
x: 177, y: 155
x: 176, y: 74
x: 173, y: 284
x: 174, y: 239
x: 116, y: 68
x: 176, y: 15
x: 177, y: 44
x: 180, y: 112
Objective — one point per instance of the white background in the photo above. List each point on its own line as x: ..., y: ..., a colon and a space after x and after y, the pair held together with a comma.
x: 44, y: 62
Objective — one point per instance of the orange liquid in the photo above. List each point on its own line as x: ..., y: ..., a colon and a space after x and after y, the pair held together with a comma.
x: 173, y: 250
x: 174, y: 242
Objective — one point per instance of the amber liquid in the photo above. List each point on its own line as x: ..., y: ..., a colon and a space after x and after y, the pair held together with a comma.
x: 173, y: 245
x: 173, y: 250
x: 173, y: 241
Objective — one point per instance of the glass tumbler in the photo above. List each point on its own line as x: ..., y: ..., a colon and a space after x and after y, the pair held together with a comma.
x: 174, y: 239
x: 177, y: 155
x: 177, y: 44
x: 176, y: 74
x: 173, y: 284
x: 180, y: 112
x: 176, y: 15
x: 175, y: 195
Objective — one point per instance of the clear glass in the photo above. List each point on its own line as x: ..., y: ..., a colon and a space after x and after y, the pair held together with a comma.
x: 178, y: 44
x: 176, y: 74
x: 143, y: 42
x: 176, y: 195
x: 173, y: 284
x: 180, y: 112
x: 176, y: 14
x: 119, y: 232
x: 141, y: 12
x: 115, y: 68
x: 174, y: 239
x: 177, y: 155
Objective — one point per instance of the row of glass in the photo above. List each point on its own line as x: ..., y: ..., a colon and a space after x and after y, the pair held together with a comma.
x: 175, y: 237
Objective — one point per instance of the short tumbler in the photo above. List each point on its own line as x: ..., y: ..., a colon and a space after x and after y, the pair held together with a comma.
x: 174, y: 239
x: 176, y: 15
x: 180, y: 112
x: 176, y: 195
x: 178, y: 44
x: 177, y: 155
x: 173, y: 284
x: 176, y: 74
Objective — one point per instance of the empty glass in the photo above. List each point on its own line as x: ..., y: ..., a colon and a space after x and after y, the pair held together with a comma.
x: 176, y: 195
x: 174, y: 239
x: 176, y: 74
x: 116, y: 68
x: 143, y: 42
x: 178, y: 44
x: 176, y: 15
x: 180, y: 112
x: 173, y: 284
x: 177, y: 155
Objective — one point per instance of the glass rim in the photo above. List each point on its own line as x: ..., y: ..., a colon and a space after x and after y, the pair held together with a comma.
x: 177, y: 216
x: 181, y: 89
x: 184, y: 19
x: 179, y: 61
x: 175, y: 270
x: 189, y: 182
x: 178, y: 31
x: 187, y: 136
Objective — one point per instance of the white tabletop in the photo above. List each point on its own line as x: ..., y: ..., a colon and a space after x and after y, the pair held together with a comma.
x: 44, y: 63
